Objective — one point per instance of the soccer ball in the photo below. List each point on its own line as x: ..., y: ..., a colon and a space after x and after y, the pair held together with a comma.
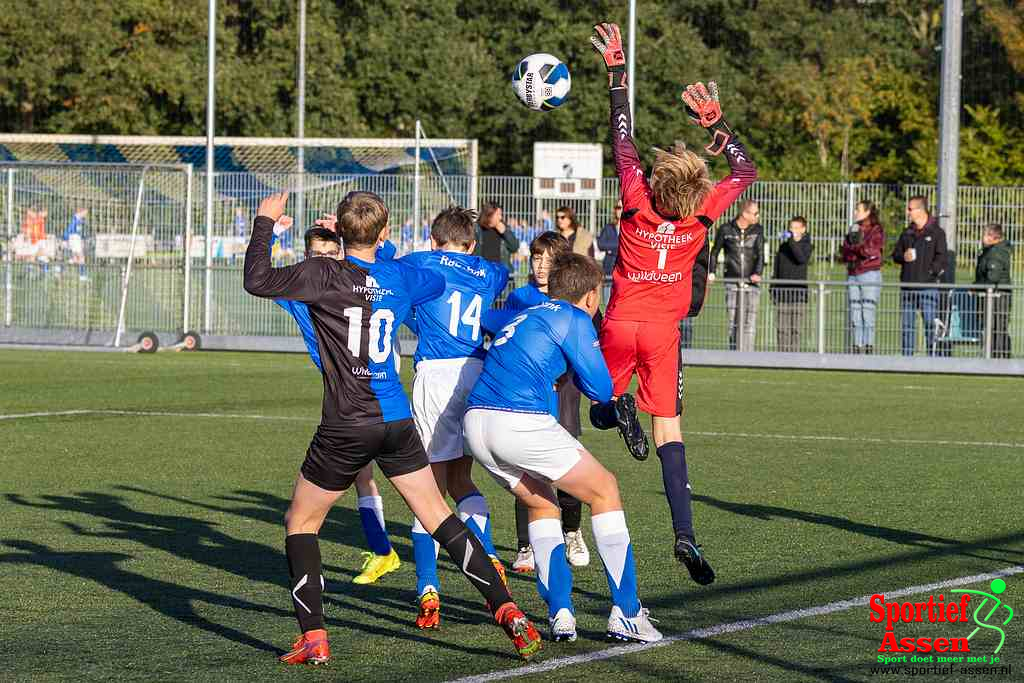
x: 541, y: 81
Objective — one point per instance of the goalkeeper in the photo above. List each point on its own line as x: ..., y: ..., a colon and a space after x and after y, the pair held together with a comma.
x: 661, y: 273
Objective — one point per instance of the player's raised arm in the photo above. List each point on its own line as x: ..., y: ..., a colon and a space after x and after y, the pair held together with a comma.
x: 301, y: 282
x: 705, y: 110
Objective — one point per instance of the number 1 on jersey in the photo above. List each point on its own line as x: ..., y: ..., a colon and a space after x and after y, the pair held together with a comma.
x: 662, y: 256
x: 471, y: 316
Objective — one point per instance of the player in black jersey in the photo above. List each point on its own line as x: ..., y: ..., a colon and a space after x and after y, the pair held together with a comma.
x: 356, y: 305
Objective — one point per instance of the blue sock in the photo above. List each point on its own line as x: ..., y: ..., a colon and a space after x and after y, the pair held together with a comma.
x: 677, y: 487
x: 371, y: 513
x: 473, y: 511
x: 612, y: 538
x: 554, y: 578
x: 424, y: 551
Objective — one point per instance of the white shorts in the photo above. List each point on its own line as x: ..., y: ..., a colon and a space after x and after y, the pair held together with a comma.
x: 510, y: 445
x: 439, y: 394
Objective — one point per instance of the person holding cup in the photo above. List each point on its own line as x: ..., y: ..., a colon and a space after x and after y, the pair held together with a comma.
x: 921, y: 253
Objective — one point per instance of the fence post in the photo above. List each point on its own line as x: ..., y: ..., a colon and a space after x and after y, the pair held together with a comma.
x: 8, y: 277
x: 989, y: 311
x: 821, y: 317
x: 741, y: 318
x: 187, y: 304
x: 131, y: 256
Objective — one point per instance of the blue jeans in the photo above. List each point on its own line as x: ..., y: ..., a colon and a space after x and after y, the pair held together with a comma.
x: 912, y: 301
x: 862, y: 296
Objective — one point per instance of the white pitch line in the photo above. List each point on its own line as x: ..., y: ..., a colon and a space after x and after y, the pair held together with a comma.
x: 733, y: 627
x: 861, y: 439
x: 157, y: 413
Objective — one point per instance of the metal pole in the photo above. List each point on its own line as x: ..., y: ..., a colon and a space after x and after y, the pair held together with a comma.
x: 188, y: 251
x: 989, y: 315
x: 131, y: 257
x: 821, y: 317
x: 300, y: 205
x: 631, y: 63
x: 949, y: 119
x: 474, y: 179
x: 211, y: 57
x: 416, y: 192
x: 741, y: 318
x: 8, y: 278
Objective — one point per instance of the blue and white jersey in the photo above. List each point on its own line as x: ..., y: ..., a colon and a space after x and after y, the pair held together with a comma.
x: 449, y: 326
x: 75, y: 227
x: 534, y: 349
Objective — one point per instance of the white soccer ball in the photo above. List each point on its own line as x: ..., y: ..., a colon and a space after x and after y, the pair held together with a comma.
x: 541, y: 81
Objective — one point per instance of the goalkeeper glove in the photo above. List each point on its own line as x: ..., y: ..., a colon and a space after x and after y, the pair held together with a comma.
x: 607, y: 40
x: 706, y: 111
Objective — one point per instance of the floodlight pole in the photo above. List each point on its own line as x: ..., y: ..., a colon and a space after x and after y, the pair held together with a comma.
x: 949, y: 122
x: 299, y: 195
x: 631, y: 57
x: 211, y: 56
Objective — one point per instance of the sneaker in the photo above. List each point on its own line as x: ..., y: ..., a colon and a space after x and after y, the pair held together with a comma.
x: 376, y: 566
x: 430, y: 610
x: 563, y: 626
x: 629, y: 427
x: 310, y: 648
x: 576, y: 550
x: 518, y: 628
x: 638, y: 629
x: 691, y: 555
x: 524, y: 560
x: 500, y: 568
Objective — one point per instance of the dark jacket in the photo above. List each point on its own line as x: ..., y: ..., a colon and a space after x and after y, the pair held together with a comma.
x: 509, y: 243
x: 993, y: 266
x: 791, y: 264
x: 862, y: 250
x: 931, y: 259
x: 744, y: 250
x: 608, y: 242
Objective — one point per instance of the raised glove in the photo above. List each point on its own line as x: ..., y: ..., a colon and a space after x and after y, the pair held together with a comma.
x: 705, y: 110
x: 607, y: 40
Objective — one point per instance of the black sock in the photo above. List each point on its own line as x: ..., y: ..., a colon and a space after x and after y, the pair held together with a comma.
x: 602, y: 415
x: 677, y: 487
x: 469, y: 555
x: 522, y: 524
x: 572, y: 508
x: 307, y: 581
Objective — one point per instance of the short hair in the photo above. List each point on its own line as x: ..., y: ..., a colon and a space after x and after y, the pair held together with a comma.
x: 320, y: 235
x: 799, y: 219
x: 454, y: 226
x: 487, y: 210
x: 361, y: 217
x: 994, y: 229
x: 573, y: 276
x: 549, y: 242
x: 921, y: 199
x: 679, y: 181
x: 567, y: 210
x: 747, y: 203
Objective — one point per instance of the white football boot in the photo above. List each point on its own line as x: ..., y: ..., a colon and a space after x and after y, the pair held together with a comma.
x: 638, y: 629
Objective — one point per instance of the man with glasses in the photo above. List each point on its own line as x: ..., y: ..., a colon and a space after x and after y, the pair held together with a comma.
x: 742, y: 238
x: 608, y: 240
x: 921, y: 254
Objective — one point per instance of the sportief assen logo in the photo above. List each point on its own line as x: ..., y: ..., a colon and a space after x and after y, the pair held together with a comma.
x: 984, y: 609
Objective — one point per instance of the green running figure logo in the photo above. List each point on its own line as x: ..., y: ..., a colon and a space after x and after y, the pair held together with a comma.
x: 998, y: 586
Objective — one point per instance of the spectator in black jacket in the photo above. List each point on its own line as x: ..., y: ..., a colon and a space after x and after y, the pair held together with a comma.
x: 742, y: 238
x: 921, y: 253
x: 495, y: 241
x: 993, y: 269
x: 791, y: 299
x: 608, y: 240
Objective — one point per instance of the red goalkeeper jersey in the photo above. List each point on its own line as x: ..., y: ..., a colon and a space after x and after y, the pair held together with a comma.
x: 662, y: 268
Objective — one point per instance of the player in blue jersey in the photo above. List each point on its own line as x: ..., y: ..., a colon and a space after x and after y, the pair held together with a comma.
x: 449, y: 357
x: 381, y: 559
x: 511, y: 433
x: 355, y: 305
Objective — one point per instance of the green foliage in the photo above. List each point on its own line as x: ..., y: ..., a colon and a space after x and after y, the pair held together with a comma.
x: 820, y: 89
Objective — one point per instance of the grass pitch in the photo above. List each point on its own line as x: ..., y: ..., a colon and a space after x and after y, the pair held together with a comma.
x: 147, y: 544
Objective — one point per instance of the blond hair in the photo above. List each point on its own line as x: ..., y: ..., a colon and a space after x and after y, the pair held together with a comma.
x: 361, y: 217
x: 679, y: 182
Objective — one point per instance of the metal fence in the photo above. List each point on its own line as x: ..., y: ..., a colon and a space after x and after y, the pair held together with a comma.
x: 54, y: 281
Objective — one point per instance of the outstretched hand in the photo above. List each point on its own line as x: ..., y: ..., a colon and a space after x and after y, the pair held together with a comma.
x: 327, y: 221
x: 272, y: 207
x: 607, y: 40
x: 705, y: 110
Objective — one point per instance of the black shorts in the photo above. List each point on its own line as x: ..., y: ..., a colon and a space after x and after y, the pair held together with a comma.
x: 337, y: 453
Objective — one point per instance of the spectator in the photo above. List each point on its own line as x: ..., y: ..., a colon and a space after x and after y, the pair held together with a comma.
x: 494, y: 241
x: 993, y: 269
x: 241, y: 231
x: 608, y: 240
x: 74, y: 241
x: 862, y: 252
x: 921, y: 253
x: 791, y: 299
x: 743, y: 241
x: 546, y: 224
x: 580, y: 241
x: 37, y: 236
